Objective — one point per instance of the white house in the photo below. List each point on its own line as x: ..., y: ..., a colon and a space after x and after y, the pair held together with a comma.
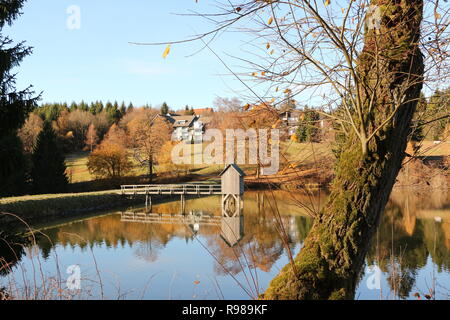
x: 187, y: 128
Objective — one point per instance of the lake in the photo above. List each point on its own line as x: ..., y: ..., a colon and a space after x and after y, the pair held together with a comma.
x: 159, y: 254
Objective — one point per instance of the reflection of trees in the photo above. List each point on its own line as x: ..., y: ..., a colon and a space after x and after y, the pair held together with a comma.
x: 303, y: 224
x: 11, y: 251
x: 148, y: 250
x: 261, y: 245
x: 112, y: 233
x: 407, y: 226
x: 401, y: 280
x: 406, y: 237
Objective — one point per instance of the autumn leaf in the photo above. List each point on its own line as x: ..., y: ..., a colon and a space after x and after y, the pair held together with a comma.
x: 166, y: 51
x: 246, y: 107
x: 267, y: 45
x: 270, y: 21
x: 327, y: 3
x: 276, y: 124
x: 263, y: 73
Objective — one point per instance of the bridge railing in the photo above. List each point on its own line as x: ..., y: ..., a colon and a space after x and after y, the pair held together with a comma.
x: 172, y: 189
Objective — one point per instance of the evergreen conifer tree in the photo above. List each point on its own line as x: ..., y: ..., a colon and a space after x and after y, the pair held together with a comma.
x: 49, y: 170
x: 14, y: 105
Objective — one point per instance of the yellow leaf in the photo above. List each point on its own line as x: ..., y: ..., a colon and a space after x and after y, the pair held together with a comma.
x: 270, y: 21
x: 246, y: 107
x: 276, y: 124
x: 327, y: 3
x: 267, y: 45
x: 271, y: 52
x: 263, y: 73
x: 437, y: 15
x: 254, y: 74
x: 166, y: 52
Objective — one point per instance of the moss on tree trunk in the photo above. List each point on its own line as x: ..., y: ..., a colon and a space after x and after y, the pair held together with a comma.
x: 330, y: 262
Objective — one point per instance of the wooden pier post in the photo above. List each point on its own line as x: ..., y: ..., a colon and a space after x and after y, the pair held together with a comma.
x: 182, y: 204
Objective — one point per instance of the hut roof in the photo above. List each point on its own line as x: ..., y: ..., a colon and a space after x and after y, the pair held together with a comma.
x: 239, y: 170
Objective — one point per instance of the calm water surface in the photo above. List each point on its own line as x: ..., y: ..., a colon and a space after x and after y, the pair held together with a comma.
x: 133, y: 255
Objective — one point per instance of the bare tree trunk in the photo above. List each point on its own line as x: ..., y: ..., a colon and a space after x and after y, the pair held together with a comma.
x: 329, y: 264
x: 150, y: 169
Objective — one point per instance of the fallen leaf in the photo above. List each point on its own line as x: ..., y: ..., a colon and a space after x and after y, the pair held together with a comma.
x: 166, y: 51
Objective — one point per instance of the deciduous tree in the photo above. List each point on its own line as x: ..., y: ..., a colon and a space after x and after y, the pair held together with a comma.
x: 148, y: 132
x: 111, y: 159
x: 29, y: 132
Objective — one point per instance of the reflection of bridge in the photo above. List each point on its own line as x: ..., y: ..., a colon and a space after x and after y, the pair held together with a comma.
x: 231, y: 228
x: 190, y: 218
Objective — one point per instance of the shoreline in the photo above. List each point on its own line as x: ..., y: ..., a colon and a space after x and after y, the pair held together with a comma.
x: 43, y: 209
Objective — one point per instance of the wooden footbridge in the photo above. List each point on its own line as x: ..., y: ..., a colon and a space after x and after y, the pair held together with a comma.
x: 231, y: 188
x: 168, y: 189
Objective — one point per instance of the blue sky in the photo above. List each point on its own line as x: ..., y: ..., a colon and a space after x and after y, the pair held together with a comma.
x: 97, y: 61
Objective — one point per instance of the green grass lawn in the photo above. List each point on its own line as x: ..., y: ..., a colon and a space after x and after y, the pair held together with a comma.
x: 77, y: 170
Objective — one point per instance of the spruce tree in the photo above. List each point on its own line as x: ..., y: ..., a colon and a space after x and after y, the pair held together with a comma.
x: 48, y: 172
x: 164, y: 109
x: 14, y: 105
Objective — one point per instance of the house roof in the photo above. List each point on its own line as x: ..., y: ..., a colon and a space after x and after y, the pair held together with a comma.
x: 235, y: 167
x: 182, y: 121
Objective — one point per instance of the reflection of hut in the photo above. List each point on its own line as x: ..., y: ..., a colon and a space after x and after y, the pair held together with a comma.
x: 232, y: 229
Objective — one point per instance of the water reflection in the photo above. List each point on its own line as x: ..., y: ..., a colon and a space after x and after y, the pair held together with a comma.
x: 231, y: 228
x: 411, y: 247
x: 415, y: 228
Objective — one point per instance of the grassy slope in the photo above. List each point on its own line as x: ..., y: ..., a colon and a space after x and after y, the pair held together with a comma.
x: 42, y: 208
x: 296, y: 153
